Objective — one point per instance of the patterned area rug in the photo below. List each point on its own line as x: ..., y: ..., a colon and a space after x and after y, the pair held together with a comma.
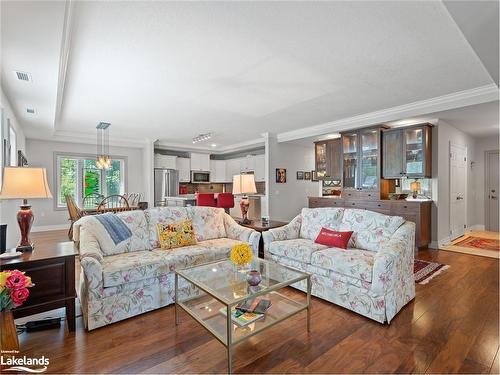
x: 479, y: 243
x: 424, y: 271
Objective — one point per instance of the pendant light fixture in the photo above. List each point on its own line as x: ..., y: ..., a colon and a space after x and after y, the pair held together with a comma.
x: 103, y: 160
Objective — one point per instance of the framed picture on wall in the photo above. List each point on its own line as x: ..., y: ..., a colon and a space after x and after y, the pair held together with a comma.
x: 314, y: 176
x: 307, y: 175
x: 300, y: 175
x: 21, y: 159
x: 280, y: 175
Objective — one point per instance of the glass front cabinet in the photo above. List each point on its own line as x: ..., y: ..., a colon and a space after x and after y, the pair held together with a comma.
x: 361, y: 159
x: 407, y: 152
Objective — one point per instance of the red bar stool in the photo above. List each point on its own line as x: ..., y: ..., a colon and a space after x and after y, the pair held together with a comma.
x: 225, y: 201
x: 205, y: 199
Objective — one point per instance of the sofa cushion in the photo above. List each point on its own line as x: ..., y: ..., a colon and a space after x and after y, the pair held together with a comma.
x: 313, y: 219
x: 351, y: 262
x: 372, y: 230
x: 162, y: 215
x: 208, y: 222
x: 129, y: 267
x: 299, y: 249
x: 176, y: 235
x: 134, y: 220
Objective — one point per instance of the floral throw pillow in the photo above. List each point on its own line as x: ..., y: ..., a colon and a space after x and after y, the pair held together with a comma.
x: 177, y: 234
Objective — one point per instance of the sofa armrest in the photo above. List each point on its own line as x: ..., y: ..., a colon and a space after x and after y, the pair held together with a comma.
x: 289, y: 231
x: 238, y: 232
x: 91, y: 262
x: 394, y: 262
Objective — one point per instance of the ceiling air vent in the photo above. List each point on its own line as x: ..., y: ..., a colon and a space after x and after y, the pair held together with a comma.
x: 30, y: 110
x: 23, y: 76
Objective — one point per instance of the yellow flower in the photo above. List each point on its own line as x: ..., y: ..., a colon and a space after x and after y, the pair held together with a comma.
x: 3, y: 278
x: 28, y: 282
x: 241, y: 254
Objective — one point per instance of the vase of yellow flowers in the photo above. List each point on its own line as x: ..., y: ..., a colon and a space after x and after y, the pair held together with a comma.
x: 241, y: 255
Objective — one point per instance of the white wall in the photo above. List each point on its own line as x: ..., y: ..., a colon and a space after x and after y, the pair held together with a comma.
x: 41, y: 154
x: 287, y: 200
x: 478, y: 183
x: 9, y: 208
x: 441, y: 149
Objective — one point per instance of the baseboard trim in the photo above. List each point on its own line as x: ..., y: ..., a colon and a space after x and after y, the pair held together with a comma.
x: 477, y: 227
x: 46, y: 228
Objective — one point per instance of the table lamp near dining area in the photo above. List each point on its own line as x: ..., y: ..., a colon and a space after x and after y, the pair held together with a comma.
x: 25, y: 183
x: 244, y: 184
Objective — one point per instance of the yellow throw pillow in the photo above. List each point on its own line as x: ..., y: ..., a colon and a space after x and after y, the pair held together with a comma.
x: 176, y: 234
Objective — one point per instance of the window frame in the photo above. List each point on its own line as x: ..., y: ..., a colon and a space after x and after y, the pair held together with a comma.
x: 79, y: 186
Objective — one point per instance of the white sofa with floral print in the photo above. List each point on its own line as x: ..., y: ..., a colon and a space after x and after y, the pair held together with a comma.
x: 129, y: 280
x: 373, y: 277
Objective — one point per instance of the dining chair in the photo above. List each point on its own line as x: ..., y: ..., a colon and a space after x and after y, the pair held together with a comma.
x: 74, y: 213
x: 134, y: 199
x: 225, y: 201
x: 114, y: 203
x: 92, y: 200
x: 205, y: 199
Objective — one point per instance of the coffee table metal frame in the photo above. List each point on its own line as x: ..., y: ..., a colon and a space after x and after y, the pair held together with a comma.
x: 229, y: 304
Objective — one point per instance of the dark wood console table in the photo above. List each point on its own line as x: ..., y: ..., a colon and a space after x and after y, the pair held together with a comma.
x: 52, y: 270
x: 260, y: 227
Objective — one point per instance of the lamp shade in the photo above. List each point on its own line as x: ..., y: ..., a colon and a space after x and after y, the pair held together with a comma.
x: 24, y: 183
x: 415, y: 186
x: 244, y: 184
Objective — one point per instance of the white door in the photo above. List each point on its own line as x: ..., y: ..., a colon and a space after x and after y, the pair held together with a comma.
x: 492, y: 201
x: 458, y: 190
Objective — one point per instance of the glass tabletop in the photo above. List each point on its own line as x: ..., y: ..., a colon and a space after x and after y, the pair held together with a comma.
x: 224, y: 281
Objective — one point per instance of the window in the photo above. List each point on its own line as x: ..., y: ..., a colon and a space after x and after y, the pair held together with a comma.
x: 78, y: 176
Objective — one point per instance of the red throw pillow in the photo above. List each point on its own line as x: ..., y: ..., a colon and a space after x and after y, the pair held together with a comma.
x: 332, y: 238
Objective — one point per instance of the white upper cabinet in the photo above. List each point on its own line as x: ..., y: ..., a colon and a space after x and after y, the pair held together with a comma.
x: 218, y: 171
x: 259, y: 168
x: 184, y: 168
x: 232, y: 168
x: 200, y: 162
x: 165, y: 161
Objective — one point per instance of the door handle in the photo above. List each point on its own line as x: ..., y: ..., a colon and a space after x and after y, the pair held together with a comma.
x: 459, y: 198
x: 493, y: 197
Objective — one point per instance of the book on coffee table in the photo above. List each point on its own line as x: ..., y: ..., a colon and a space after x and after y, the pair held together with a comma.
x: 242, y: 318
x: 255, y: 305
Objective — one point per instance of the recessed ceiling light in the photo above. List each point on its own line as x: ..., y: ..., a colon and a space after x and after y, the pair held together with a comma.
x: 213, y: 145
x: 30, y: 110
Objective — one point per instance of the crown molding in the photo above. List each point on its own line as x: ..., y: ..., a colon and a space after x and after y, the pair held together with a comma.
x: 478, y: 95
x: 84, y: 138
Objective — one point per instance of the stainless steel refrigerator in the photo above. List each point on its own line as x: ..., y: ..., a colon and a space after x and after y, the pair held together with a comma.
x: 166, y: 185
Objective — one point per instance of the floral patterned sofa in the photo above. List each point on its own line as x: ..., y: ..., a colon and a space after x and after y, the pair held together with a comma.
x: 139, y: 277
x: 373, y: 277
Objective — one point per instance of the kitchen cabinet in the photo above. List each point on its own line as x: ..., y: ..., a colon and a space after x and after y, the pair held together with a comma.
x: 260, y: 168
x: 165, y: 161
x: 407, y: 152
x: 361, y: 152
x: 200, y: 162
x: 232, y: 168
x: 183, y: 165
x: 218, y: 171
x: 328, y: 158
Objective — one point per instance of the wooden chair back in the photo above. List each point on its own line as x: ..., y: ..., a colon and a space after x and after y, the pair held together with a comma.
x: 74, y: 213
x: 134, y: 199
x: 92, y: 200
x: 115, y: 203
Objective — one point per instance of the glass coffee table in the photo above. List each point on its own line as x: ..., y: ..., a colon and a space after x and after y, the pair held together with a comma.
x: 208, y: 292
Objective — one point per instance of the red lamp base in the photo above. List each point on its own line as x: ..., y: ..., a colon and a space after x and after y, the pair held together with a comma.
x: 25, y: 219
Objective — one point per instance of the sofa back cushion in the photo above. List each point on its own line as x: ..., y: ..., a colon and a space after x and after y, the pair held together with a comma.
x: 208, y: 222
x: 313, y: 219
x: 135, y: 222
x: 162, y: 215
x: 371, y: 229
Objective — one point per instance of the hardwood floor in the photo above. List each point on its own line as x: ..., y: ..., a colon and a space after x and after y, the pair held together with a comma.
x: 451, y: 326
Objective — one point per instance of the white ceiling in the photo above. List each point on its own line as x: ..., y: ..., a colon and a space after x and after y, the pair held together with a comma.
x: 172, y: 70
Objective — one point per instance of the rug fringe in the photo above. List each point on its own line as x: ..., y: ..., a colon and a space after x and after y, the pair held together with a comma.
x: 442, y: 269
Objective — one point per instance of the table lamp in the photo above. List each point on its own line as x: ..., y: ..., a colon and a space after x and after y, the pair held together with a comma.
x: 23, y: 183
x: 244, y: 184
x: 415, y: 188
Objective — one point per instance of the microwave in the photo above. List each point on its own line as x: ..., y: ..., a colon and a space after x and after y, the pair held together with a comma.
x: 200, y: 177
